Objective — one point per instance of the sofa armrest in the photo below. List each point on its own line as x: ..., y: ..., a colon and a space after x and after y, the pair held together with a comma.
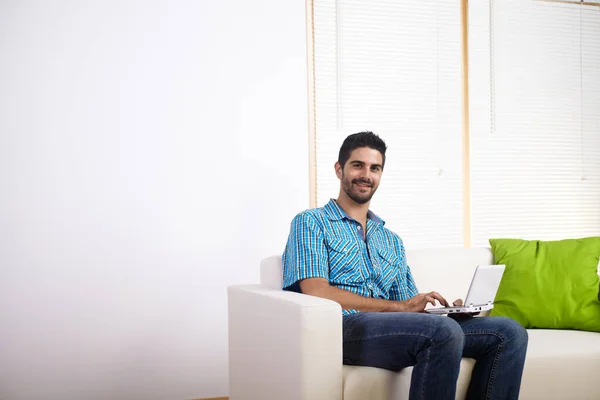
x: 283, y: 345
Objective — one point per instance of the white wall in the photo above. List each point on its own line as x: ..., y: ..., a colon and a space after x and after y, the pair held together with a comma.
x: 151, y: 153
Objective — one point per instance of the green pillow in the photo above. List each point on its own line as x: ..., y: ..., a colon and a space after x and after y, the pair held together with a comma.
x: 551, y: 284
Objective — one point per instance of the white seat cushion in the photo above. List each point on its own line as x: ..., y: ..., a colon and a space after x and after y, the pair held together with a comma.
x: 379, y: 384
x: 560, y: 364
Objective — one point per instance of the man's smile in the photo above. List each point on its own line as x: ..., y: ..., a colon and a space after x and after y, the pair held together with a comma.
x: 362, y: 184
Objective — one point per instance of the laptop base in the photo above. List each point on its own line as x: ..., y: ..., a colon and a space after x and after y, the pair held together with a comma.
x: 460, y: 310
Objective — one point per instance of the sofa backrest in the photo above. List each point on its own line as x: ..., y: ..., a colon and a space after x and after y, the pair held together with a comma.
x: 447, y: 271
x: 271, y: 272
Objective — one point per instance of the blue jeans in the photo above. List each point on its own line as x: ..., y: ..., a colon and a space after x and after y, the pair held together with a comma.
x: 435, y: 345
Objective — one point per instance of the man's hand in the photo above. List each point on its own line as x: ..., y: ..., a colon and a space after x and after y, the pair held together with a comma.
x: 459, y: 302
x: 418, y: 302
x: 461, y: 316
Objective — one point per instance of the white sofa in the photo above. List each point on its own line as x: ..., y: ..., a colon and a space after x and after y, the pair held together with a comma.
x: 288, y: 346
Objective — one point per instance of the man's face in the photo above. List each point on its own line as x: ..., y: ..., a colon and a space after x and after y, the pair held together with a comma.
x: 361, y: 174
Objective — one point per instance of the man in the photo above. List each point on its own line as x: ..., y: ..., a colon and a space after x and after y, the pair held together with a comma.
x: 344, y: 253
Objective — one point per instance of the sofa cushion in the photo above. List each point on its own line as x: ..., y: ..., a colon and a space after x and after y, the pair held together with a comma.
x: 560, y: 364
x: 552, y: 284
x: 362, y: 383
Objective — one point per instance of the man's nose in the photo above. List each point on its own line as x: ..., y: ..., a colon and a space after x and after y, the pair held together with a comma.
x: 366, y: 174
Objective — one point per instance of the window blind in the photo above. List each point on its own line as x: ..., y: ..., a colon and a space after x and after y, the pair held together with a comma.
x: 534, y: 69
x: 394, y: 67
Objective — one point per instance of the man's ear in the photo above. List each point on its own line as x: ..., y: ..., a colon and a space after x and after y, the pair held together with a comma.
x: 338, y: 170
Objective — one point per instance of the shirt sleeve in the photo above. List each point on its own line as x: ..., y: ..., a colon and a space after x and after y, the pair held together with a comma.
x: 404, y: 286
x: 305, y: 254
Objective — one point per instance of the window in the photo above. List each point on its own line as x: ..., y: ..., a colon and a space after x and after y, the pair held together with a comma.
x: 394, y: 67
x: 535, y: 119
x: 528, y: 162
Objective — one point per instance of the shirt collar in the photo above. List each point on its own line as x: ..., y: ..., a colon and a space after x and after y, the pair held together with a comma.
x: 335, y: 213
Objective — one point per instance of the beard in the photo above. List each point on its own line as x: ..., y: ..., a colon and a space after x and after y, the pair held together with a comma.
x: 354, y: 193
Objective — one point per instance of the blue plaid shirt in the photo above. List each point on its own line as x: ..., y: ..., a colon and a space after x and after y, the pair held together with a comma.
x: 326, y: 243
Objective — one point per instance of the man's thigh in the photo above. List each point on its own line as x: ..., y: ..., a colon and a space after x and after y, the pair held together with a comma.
x: 392, y: 340
x: 485, y: 334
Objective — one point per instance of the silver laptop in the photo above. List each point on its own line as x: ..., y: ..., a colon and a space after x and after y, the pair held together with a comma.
x: 482, y: 291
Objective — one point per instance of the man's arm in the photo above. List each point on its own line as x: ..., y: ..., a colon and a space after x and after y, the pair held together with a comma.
x: 320, y: 287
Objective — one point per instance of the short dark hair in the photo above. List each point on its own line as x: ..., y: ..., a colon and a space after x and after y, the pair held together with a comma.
x: 358, y: 140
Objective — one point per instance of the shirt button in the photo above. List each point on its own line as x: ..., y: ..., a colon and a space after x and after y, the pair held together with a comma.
x: 358, y: 227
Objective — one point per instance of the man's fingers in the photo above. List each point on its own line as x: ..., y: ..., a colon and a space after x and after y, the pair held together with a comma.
x: 439, y: 298
x: 458, y: 302
x: 430, y: 299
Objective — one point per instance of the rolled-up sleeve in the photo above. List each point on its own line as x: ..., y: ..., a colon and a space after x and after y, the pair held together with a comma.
x: 305, y: 254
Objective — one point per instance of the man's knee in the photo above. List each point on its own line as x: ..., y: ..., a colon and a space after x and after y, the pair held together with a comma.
x: 513, y: 334
x: 449, y: 332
